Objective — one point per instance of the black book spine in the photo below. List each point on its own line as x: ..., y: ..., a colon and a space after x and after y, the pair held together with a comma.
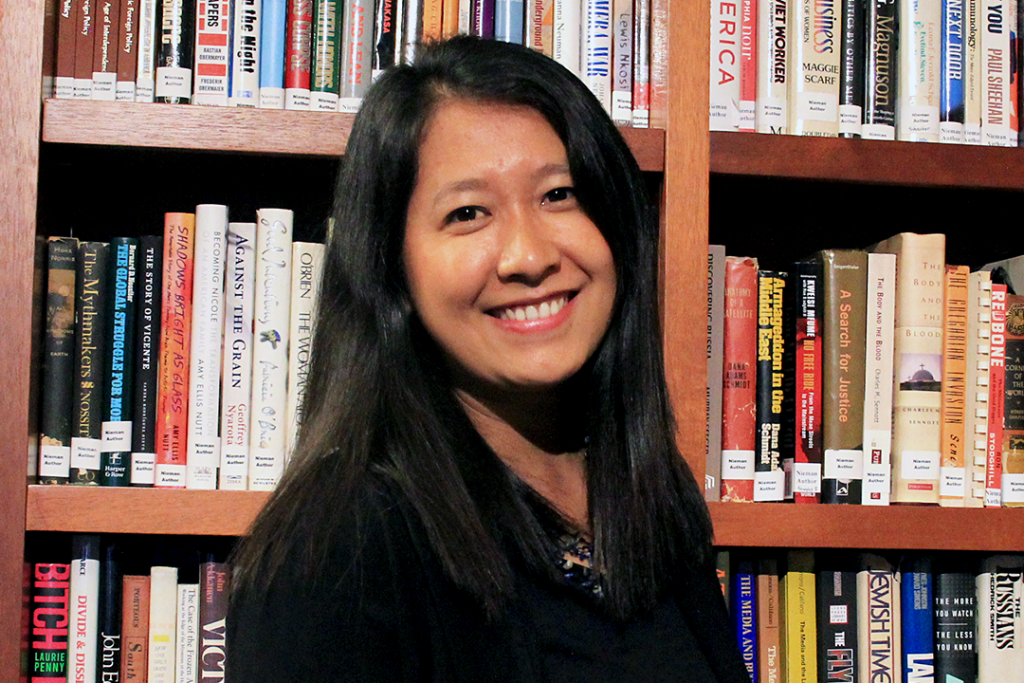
x: 174, y: 60
x: 147, y: 350
x: 386, y: 48
x: 851, y: 67
x: 117, y: 413
x: 109, y: 618
x: 58, y: 376
x: 769, y: 477
x: 955, y: 617
x: 214, y: 583
x: 837, y: 625
x: 90, y: 340
x: 882, y: 59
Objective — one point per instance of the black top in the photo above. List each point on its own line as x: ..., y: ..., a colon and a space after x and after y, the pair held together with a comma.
x: 384, y: 611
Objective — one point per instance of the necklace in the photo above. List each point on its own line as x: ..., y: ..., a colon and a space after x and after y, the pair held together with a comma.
x: 574, y: 556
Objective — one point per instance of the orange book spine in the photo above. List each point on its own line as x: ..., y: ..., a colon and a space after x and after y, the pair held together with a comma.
x: 739, y: 396
x: 433, y: 14
x: 449, y: 18
x: 175, y: 338
x: 134, y: 628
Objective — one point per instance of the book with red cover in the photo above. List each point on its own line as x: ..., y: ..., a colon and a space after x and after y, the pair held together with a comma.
x: 51, y: 586
x: 996, y: 389
x: 739, y: 391
x: 298, y: 54
x: 134, y: 627
x: 1012, y: 485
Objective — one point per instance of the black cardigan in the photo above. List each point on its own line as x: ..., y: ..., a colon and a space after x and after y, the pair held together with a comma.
x: 386, y: 612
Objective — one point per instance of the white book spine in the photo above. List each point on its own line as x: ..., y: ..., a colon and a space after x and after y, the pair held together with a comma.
x: 270, y: 347
x: 597, y: 50
x: 236, y: 385
x: 772, y: 111
x: 567, y: 31
x: 212, y: 52
x: 204, y: 361
x: 878, y: 367
x: 917, y: 117
x: 979, y: 332
x: 972, y: 72
x: 83, y: 610
x: 187, y: 630
x: 163, y: 613
x: 622, y: 92
x: 245, y: 55
x: 725, y: 65
x: 995, y: 66
x: 307, y: 267
x: 1000, y: 635
x: 145, y: 76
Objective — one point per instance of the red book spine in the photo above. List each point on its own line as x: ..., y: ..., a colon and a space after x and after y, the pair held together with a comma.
x: 739, y: 396
x: 51, y: 586
x: 996, y: 389
x: 298, y: 44
x: 175, y: 339
x: 748, y: 64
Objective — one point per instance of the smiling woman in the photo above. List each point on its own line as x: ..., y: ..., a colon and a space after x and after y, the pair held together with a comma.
x: 486, y: 484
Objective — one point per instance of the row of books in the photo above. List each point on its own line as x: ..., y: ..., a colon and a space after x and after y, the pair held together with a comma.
x: 810, y: 617
x: 915, y: 70
x: 866, y: 376
x: 181, y: 360
x: 92, y: 622
x: 295, y: 54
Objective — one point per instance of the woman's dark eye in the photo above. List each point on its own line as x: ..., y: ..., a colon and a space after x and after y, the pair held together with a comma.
x: 463, y: 214
x: 559, y: 194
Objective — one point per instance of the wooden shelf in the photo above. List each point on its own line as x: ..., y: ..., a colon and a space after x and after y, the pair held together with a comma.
x: 867, y: 161
x: 264, y: 131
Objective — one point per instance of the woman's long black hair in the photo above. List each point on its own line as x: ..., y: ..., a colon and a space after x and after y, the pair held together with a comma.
x: 379, y: 405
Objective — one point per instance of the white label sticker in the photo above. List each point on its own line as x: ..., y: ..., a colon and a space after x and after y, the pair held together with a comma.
x: 838, y: 614
x: 769, y: 486
x: 771, y: 115
x: 920, y: 465
x: 1013, y: 488
x: 849, y: 119
x: 878, y: 131
x: 844, y: 464
x: 117, y: 436
x: 55, y: 461
x: 172, y: 476
x: 951, y: 482
x: 143, y: 468
x: 323, y: 101
x: 85, y: 453
x: 173, y: 81
x: 807, y: 478
x: 738, y: 465
x: 817, y: 106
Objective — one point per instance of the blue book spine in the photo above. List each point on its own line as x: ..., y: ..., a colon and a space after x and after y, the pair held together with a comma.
x: 508, y: 21
x: 952, y: 90
x: 744, y: 613
x: 272, y: 27
x: 916, y: 607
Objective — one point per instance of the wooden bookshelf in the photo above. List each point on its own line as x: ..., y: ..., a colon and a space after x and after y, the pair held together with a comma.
x: 867, y: 161
x: 262, y: 131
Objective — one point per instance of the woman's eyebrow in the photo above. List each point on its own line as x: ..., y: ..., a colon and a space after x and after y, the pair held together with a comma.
x: 467, y: 185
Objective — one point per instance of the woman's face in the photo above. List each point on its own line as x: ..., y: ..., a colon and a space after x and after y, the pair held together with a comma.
x: 508, y: 274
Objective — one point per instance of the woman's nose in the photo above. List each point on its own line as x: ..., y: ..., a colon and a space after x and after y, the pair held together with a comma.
x: 528, y: 253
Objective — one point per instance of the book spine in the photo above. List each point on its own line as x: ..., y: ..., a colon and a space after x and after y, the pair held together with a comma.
x: 878, y: 359
x: 433, y: 10
x: 325, y: 73
x: 356, y: 69
x: 1000, y: 634
x: 127, y: 50
x: 773, y: 67
x: 205, y: 348
x: 236, y: 387
x: 109, y: 620
x: 814, y: 62
x: 174, y: 53
x: 84, y: 609
x: 51, y: 593
x: 104, y: 51
x: 163, y: 612
x: 145, y: 72
x: 851, y: 70
x: 723, y: 571
x: 245, y: 54
x: 84, y: 44
x: 979, y: 332
x: 716, y: 311
x: 920, y: 53
x: 995, y: 65
x: 450, y: 18
x: 134, y: 628
x: 739, y: 401
x: 916, y: 607
x: 725, y: 66
x: 744, y: 613
x: 808, y: 456
x: 186, y: 658
x: 597, y: 50
x: 270, y: 347
x: 412, y: 26
x: 298, y: 54
x: 917, y: 433
x: 878, y: 620
x: 622, y: 83
x: 90, y: 354
x: 466, y: 21
x: 67, y: 32
x: 212, y: 52
x: 641, y: 63
x: 116, y: 441
x: 972, y: 71
x: 837, y: 625
x: 213, y: 610
x: 952, y: 471
x: 996, y: 402
x: 769, y: 622
x: 881, y: 71
x: 58, y: 376
x: 748, y: 66
x: 799, y: 632
x: 387, y: 18
x: 769, y: 477
x: 147, y: 349
x: 307, y: 268
x: 273, y: 20
x: 951, y: 106
x: 1013, y: 404
x: 845, y: 280
x: 175, y: 339
x: 955, y: 625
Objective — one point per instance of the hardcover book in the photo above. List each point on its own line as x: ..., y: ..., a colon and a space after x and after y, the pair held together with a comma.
x: 878, y: 370
x: 769, y: 622
x: 641, y: 63
x: 799, y: 627
x: 979, y: 332
x: 851, y: 69
x: 773, y: 66
x: 972, y: 71
x: 298, y: 47
x: 622, y: 83
x: 997, y: 403
x: 744, y: 613
x: 175, y: 51
x: 307, y: 269
x: 748, y: 66
x: 1000, y: 635
x: 739, y: 417
x: 916, y: 609
x: 127, y: 50
x: 163, y: 613
x: 245, y: 61
x: 1012, y: 485
x: 567, y: 31
x: 955, y: 624
x: 769, y: 477
x: 838, y: 650
x: 51, y: 593
x: 104, y: 50
x: 325, y: 73
x: 996, y: 94
x: 64, y: 67
x: 953, y: 472
x: 272, y: 41
x: 356, y: 67
x: 90, y: 356
x: 951, y: 95
x: 110, y: 613
x: 149, y: 46
x: 212, y: 52
x: 878, y: 619
x: 597, y: 48
x: 134, y: 628
x: 116, y: 441
x: 148, y: 319
x: 186, y: 657
x: 725, y: 69
x: 716, y: 311
x: 815, y: 28
x: 214, y: 579
x: 84, y: 43
x: 85, y: 595
x: 920, y: 52
x: 881, y: 71
x: 808, y: 455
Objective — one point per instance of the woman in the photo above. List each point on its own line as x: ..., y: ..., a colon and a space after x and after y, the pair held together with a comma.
x: 486, y: 486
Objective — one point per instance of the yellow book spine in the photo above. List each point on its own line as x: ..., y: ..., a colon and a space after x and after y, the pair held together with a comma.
x: 800, y: 624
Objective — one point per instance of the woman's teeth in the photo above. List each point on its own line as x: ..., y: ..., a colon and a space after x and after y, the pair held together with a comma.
x: 544, y: 310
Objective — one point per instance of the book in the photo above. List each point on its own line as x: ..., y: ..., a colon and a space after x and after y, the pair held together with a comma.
x: 836, y: 601
x: 769, y: 620
x: 845, y: 281
x: 744, y: 613
x: 799, y: 623
x: 878, y: 360
x: 808, y: 456
x: 145, y: 71
x: 356, y: 64
x: 245, y: 54
x: 134, y: 628
x: 881, y: 71
x: 1012, y: 485
x: 297, y: 54
x: 996, y: 403
x: 916, y: 605
x: 725, y: 66
x: 175, y: 340
x: 307, y: 269
x: 90, y: 355
x: 920, y: 54
x: 568, y: 31
x: 236, y: 386
x: 1000, y: 642
x: 814, y: 62
x: 48, y: 640
x: 84, y: 45
x: 772, y: 102
x: 212, y: 52
x: 110, y: 612
x: 273, y: 19
x: 163, y: 613
x: 951, y: 93
x: 979, y: 332
x: 270, y: 347
x: 104, y: 50
x: 148, y: 319
x: 723, y: 571
x: 84, y: 610
x: 58, y: 376
x: 211, y: 225
x: 116, y: 440
x: 851, y: 68
x: 641, y: 63
x: 739, y: 379
x: 769, y: 477
x: 509, y: 25
x: 622, y: 71
x: 878, y: 619
x: 917, y: 434
x: 127, y: 50
x: 431, y: 16
x: 387, y: 36
x: 953, y: 466
x: 64, y: 66
x: 716, y: 311
x: 325, y: 72
x: 412, y: 28
x: 175, y: 52
x: 186, y: 657
x: 996, y: 95
x: 214, y: 579
x: 748, y: 66
x: 596, y: 49
x: 955, y: 624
